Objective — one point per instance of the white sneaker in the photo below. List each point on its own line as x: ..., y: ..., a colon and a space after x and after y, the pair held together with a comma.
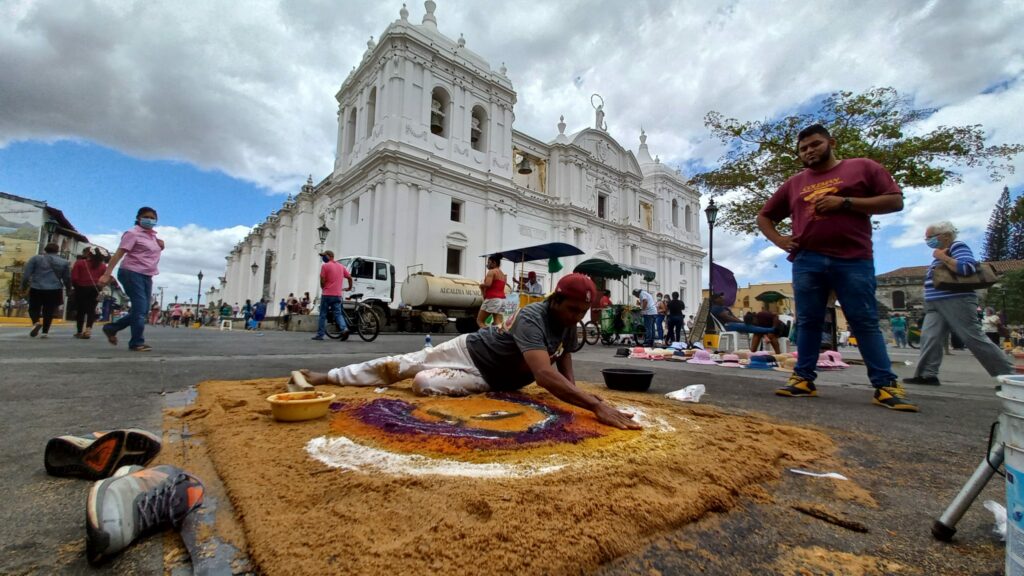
x: 44, y: 335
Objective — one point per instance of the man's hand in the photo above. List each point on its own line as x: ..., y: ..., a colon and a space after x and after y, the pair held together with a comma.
x: 615, y: 418
x: 939, y: 254
x: 105, y: 279
x: 828, y: 203
x: 787, y: 243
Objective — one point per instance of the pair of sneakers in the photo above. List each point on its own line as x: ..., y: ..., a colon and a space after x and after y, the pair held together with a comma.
x: 893, y: 396
x: 127, y: 501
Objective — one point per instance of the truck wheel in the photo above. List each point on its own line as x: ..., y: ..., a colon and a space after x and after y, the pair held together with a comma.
x: 382, y: 314
x: 465, y: 325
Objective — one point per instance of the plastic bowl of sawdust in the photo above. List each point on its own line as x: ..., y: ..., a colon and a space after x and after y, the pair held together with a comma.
x: 299, y: 406
x: 628, y: 379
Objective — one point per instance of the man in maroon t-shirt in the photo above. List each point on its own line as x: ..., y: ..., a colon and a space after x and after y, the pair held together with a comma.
x: 830, y: 204
x: 331, y: 276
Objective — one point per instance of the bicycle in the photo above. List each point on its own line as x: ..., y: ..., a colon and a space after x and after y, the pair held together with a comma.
x: 361, y: 316
x: 914, y: 337
x: 586, y: 333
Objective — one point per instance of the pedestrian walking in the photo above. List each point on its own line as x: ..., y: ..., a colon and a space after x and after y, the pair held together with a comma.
x: 139, y: 257
x: 991, y: 324
x: 948, y: 312
x: 898, y: 324
x: 85, y: 278
x: 246, y: 313
x: 332, y: 275
x: 176, y: 315
x: 659, y: 319
x: 675, y: 309
x: 493, y: 290
x: 831, y: 203
x: 46, y: 276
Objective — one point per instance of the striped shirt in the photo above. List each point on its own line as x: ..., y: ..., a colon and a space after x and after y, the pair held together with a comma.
x: 965, y: 266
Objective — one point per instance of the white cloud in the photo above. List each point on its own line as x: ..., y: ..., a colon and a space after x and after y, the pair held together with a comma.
x: 187, y: 251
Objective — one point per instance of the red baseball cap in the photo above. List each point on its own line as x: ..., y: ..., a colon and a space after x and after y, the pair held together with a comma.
x: 577, y: 287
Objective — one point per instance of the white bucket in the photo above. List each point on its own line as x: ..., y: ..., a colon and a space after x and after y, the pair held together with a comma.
x: 1012, y: 386
x: 1011, y: 424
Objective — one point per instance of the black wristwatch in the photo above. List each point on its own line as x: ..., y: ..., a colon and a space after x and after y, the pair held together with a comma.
x: 847, y: 203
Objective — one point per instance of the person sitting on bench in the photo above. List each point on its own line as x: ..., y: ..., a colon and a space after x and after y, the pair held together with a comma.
x: 729, y: 320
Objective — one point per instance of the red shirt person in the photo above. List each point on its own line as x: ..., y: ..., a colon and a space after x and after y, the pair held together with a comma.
x: 332, y: 274
x: 830, y: 204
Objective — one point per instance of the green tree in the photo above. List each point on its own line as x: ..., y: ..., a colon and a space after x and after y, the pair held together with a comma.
x: 1008, y: 296
x: 997, y: 235
x: 878, y: 124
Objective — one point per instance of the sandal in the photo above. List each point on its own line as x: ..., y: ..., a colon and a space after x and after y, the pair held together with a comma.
x: 142, y: 348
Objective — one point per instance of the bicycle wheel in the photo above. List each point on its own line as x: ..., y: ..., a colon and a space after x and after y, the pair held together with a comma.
x: 332, y: 330
x: 914, y: 339
x: 591, y: 333
x: 580, y: 341
x: 367, y: 323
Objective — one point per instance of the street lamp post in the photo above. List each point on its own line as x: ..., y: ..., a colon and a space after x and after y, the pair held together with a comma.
x: 199, y: 294
x: 712, y: 213
x: 323, y: 231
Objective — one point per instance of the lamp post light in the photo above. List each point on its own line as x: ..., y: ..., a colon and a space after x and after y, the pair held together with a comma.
x: 199, y: 294
x: 323, y: 231
x: 712, y: 213
x: 254, y: 268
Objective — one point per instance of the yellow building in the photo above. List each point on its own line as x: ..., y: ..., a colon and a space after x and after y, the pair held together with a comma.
x: 746, y: 300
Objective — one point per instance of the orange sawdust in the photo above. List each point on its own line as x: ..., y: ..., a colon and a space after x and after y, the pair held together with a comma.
x: 615, y: 493
x: 480, y: 412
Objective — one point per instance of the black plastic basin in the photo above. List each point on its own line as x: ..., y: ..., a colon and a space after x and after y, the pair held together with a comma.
x: 628, y: 379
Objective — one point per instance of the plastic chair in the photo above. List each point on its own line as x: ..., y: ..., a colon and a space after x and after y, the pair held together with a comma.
x: 225, y: 324
x: 728, y: 341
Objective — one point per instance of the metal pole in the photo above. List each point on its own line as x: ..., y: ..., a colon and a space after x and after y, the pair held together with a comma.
x: 711, y: 261
x: 945, y: 526
x: 199, y: 294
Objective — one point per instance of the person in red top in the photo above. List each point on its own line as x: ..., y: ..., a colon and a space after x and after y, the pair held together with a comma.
x: 493, y: 288
x: 331, y: 276
x: 831, y: 204
x: 85, y: 277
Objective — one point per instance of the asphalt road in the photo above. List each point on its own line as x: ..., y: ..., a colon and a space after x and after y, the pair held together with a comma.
x: 911, y: 463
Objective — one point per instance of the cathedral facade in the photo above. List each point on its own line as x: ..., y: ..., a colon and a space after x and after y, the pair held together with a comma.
x: 430, y: 173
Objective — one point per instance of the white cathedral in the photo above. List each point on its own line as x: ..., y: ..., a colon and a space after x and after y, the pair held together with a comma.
x: 430, y: 171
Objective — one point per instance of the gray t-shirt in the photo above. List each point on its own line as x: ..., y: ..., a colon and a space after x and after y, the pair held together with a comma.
x: 498, y: 351
x: 46, y: 272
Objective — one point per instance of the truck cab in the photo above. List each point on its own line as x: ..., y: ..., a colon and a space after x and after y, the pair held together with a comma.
x: 374, y: 278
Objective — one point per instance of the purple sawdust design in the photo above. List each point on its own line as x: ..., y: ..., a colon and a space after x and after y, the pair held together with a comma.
x: 397, y: 417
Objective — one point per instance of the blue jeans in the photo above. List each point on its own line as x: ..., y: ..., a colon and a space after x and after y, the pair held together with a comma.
x: 649, y: 329
x: 901, y: 338
x: 138, y: 287
x: 814, y: 277
x: 659, y: 324
x: 330, y: 305
x: 747, y: 328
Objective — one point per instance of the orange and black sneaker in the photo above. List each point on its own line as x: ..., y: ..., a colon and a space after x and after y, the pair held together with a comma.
x: 797, y: 387
x: 97, y: 456
x: 893, y: 397
x: 134, y: 503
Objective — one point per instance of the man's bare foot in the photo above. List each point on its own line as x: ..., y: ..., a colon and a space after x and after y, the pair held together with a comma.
x: 315, y: 378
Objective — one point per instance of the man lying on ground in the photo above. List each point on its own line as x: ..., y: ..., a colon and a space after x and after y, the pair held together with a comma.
x: 527, y: 348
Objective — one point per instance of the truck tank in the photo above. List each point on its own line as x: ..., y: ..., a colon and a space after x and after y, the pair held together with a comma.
x: 424, y: 289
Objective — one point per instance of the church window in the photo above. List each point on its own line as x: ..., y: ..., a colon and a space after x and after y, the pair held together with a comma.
x: 454, y: 265
x: 602, y: 206
x: 439, y: 108
x: 689, y: 218
x: 371, y: 111
x: 350, y: 131
x: 899, y: 300
x: 456, y: 210
x: 478, y: 129
x: 675, y: 212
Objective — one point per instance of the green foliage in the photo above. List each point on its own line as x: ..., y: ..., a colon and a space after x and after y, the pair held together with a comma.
x: 997, y: 235
x: 1008, y: 296
x: 877, y: 124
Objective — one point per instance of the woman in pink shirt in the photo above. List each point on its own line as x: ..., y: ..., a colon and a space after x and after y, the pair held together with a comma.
x: 138, y: 254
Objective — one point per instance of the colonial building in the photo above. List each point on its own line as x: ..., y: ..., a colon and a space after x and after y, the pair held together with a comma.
x: 429, y: 171
x: 902, y: 290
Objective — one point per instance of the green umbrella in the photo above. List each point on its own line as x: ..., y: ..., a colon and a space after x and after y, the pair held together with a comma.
x: 554, y: 265
x: 596, y: 267
x: 771, y: 296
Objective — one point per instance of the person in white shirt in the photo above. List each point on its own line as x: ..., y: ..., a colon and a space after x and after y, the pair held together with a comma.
x: 649, y: 312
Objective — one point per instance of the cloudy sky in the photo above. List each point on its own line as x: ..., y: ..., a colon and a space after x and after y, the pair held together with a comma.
x: 213, y: 110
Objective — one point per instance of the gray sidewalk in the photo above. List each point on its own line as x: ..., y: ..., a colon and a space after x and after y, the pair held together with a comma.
x: 912, y: 463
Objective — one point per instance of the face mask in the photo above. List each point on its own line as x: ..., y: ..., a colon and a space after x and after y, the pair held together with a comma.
x: 325, y: 259
x: 147, y: 223
x: 932, y: 242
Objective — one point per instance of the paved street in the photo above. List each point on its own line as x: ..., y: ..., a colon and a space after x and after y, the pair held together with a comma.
x: 912, y: 464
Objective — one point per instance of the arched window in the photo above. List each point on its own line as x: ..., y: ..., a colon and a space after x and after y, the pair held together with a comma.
x: 675, y: 212
x: 350, y: 131
x: 439, y: 121
x: 478, y: 129
x: 899, y: 300
x: 689, y: 218
x: 371, y: 111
